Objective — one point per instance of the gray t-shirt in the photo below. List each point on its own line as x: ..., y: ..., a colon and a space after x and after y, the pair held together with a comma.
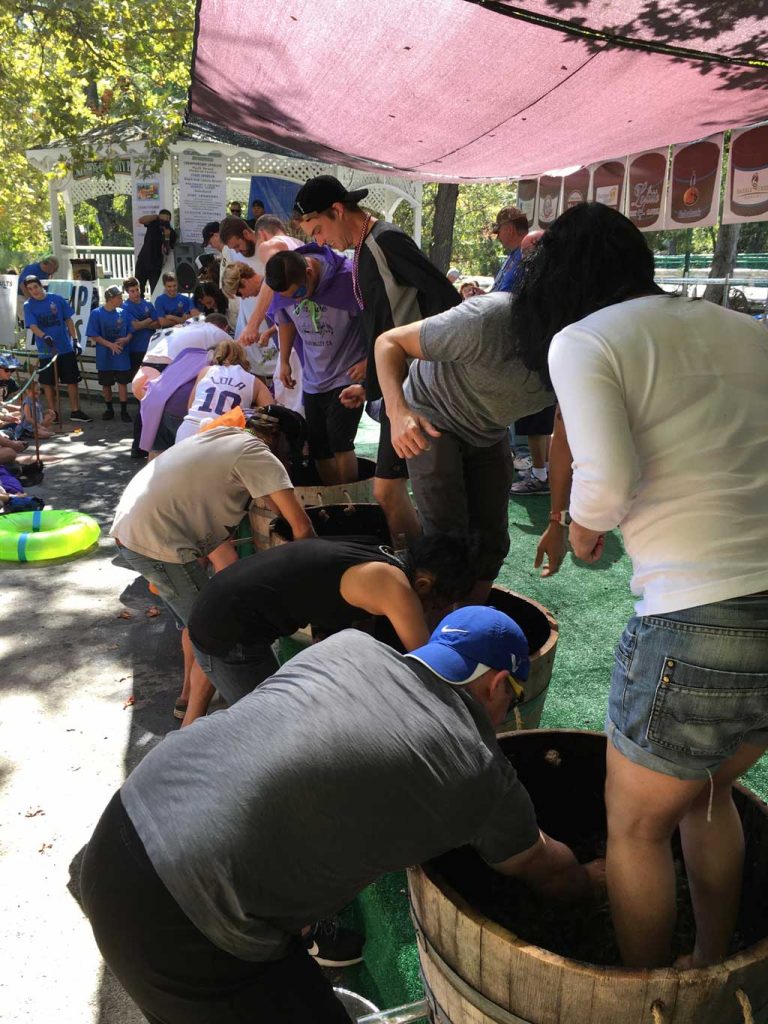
x: 276, y: 812
x: 469, y: 382
x: 184, y: 503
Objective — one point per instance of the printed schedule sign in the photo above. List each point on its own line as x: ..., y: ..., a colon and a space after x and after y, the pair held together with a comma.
x: 202, y: 192
x: 147, y: 196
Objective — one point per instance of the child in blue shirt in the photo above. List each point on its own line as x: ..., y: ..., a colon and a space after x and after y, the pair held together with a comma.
x: 109, y: 332
x: 171, y: 307
x: 142, y: 321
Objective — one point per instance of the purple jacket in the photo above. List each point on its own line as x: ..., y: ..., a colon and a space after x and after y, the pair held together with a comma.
x: 179, y: 374
x: 328, y: 322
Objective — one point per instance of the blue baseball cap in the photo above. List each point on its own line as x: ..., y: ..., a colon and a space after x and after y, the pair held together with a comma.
x: 8, y: 362
x: 471, y: 640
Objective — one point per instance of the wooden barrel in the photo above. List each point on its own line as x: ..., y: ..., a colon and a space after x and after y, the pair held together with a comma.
x: 310, y: 491
x: 476, y: 970
x: 541, y: 631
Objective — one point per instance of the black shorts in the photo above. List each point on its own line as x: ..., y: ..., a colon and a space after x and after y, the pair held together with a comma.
x: 537, y: 423
x: 67, y: 371
x: 331, y: 427
x: 109, y: 377
x: 389, y: 465
x: 137, y: 358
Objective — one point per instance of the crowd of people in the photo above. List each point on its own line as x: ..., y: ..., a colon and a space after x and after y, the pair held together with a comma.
x: 213, y: 872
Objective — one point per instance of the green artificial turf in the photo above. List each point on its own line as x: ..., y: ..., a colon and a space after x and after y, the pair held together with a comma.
x: 591, y: 605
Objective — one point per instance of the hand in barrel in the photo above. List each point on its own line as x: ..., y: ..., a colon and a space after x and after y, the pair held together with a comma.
x: 553, y: 545
x: 411, y: 433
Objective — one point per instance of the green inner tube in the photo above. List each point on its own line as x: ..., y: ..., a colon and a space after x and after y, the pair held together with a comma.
x: 36, y: 536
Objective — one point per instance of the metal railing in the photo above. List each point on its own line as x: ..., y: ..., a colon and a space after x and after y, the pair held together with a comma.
x: 744, y: 294
x: 115, y: 260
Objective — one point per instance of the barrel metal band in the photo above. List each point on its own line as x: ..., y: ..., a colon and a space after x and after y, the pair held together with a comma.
x: 474, y: 998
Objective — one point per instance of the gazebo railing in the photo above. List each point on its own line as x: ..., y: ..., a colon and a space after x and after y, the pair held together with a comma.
x: 116, y: 260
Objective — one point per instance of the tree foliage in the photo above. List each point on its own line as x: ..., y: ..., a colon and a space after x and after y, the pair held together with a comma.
x: 67, y: 66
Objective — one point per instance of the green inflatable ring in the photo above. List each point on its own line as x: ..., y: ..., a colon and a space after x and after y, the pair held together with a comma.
x: 54, y: 533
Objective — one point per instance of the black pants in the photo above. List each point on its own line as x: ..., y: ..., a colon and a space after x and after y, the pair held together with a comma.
x: 144, y: 274
x: 169, y: 968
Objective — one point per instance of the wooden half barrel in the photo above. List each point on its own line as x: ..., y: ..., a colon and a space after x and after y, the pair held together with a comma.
x: 541, y: 631
x: 477, y: 970
x: 310, y: 491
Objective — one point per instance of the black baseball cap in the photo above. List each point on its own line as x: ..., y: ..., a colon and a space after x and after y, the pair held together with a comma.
x: 323, y: 191
x: 210, y: 230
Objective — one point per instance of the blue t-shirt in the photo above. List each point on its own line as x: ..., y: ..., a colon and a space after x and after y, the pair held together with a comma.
x: 510, y: 272
x: 139, y: 311
x: 110, y: 324
x: 179, y: 305
x: 50, y: 315
x: 32, y: 268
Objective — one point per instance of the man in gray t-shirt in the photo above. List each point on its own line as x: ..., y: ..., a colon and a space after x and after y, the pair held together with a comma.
x: 450, y: 415
x: 351, y: 761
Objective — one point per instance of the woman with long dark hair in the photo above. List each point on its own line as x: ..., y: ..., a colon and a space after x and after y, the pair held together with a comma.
x: 663, y: 402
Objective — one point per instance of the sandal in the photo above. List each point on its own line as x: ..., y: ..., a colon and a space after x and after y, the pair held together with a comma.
x: 180, y: 709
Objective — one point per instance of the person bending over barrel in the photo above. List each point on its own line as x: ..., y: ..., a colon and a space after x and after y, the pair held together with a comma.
x: 331, y: 584
x: 231, y: 838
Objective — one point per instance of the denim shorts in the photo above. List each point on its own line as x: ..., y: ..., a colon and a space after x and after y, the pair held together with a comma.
x: 177, y: 583
x: 240, y: 671
x: 689, y: 688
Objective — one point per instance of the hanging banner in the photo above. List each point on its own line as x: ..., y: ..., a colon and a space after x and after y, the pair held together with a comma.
x: 608, y: 184
x: 147, y: 196
x: 646, y: 181
x: 202, y: 192
x: 576, y: 188
x: 9, y: 289
x: 694, y: 188
x: 277, y: 195
x: 550, y: 193
x: 746, y: 195
x: 526, y: 197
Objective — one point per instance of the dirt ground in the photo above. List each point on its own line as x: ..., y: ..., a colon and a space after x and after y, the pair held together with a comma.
x: 87, y: 683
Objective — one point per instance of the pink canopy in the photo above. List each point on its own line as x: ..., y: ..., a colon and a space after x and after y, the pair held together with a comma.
x: 478, y: 89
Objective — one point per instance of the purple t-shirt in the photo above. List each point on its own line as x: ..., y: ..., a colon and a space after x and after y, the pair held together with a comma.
x: 328, y: 322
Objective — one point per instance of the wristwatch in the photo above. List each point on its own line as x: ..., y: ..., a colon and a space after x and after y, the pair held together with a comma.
x: 564, y: 517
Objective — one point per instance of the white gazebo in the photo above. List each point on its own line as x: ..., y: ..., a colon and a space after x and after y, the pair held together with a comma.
x: 123, y: 142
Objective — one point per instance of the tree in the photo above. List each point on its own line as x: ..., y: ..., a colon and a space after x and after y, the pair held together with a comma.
x: 70, y: 66
x: 442, y: 225
x: 723, y: 260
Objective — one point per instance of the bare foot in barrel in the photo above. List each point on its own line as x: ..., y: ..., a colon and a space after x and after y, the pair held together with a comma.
x: 595, y: 870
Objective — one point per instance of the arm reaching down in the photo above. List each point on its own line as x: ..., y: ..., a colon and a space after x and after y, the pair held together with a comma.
x: 410, y: 431
x: 382, y: 589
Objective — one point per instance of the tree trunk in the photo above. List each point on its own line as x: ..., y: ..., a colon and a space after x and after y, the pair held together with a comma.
x: 110, y: 220
x: 723, y: 260
x: 442, y: 227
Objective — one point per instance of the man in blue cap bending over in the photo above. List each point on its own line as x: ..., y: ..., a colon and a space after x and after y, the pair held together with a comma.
x: 208, y: 868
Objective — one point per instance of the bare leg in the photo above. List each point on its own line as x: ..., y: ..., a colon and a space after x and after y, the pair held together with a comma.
x: 200, y: 693
x: 346, y: 467
x: 396, y: 504
x: 539, y: 448
x: 122, y: 392
x: 74, y: 397
x: 714, y: 859
x: 107, y: 394
x: 189, y: 660
x: 326, y: 469
x: 50, y: 399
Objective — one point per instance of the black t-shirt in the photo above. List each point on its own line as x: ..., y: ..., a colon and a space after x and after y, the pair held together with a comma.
x: 275, y: 592
x: 151, y: 254
x: 8, y: 388
x: 399, y: 285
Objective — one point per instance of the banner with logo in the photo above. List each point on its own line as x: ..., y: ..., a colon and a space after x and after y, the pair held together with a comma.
x: 526, y: 197
x: 576, y: 188
x: 550, y: 197
x: 646, y: 189
x: 148, y: 195
x: 693, y: 199
x: 746, y: 193
x: 202, y: 192
x: 608, y: 184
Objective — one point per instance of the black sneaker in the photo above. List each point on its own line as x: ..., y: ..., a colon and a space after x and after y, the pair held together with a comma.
x: 108, y: 414
x: 125, y: 416
x: 137, y: 453
x: 79, y: 416
x: 334, y: 946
